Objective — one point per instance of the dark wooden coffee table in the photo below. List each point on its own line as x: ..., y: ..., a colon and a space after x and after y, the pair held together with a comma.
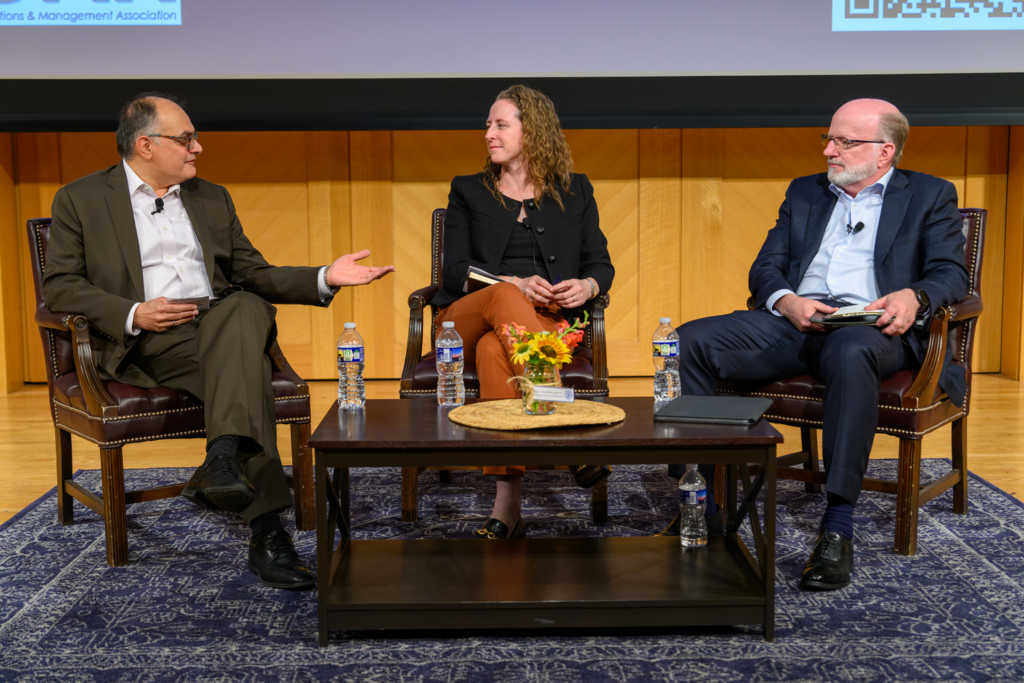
x: 539, y: 582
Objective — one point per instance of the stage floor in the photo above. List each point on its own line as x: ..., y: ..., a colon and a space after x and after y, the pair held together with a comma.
x: 995, y: 437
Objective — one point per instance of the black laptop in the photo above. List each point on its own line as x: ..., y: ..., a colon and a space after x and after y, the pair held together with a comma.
x: 720, y: 410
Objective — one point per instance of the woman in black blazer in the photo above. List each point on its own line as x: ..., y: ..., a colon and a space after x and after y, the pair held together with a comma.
x: 531, y: 220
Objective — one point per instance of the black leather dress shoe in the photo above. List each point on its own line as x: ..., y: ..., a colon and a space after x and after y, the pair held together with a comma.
x: 495, y: 530
x: 220, y: 484
x: 830, y: 565
x: 272, y: 558
x: 588, y: 476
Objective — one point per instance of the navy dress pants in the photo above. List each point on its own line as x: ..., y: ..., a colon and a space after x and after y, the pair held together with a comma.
x: 759, y: 346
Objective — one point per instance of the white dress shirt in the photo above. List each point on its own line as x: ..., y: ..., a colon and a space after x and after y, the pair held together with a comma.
x: 844, y: 267
x: 172, y: 258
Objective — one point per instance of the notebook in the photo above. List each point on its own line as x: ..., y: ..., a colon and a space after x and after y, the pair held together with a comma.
x: 848, y: 315
x: 478, y: 279
x: 721, y: 410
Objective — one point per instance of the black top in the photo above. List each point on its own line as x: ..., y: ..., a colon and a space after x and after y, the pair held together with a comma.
x: 521, y: 257
x: 477, y: 231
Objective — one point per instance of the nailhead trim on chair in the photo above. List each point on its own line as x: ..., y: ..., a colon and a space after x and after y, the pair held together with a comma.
x: 886, y: 430
x: 818, y: 400
x: 136, y: 416
x: 118, y: 444
x: 123, y: 418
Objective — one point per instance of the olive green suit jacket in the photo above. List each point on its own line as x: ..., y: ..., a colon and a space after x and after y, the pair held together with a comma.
x: 94, y: 266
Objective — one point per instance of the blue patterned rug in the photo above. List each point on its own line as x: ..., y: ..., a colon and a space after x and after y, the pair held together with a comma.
x: 185, y: 609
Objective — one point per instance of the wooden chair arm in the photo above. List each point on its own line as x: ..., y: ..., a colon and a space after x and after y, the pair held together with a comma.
x: 423, y: 295
x: 923, y: 389
x: 97, y: 401
x: 281, y: 364
x: 54, y: 321
x: 418, y: 301
x: 598, y: 344
x: 971, y: 307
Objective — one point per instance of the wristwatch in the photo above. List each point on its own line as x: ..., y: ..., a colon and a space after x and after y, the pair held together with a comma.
x: 593, y: 289
x: 332, y: 290
x: 922, y: 299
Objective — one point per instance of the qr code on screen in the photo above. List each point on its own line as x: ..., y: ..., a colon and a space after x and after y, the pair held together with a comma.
x: 934, y: 9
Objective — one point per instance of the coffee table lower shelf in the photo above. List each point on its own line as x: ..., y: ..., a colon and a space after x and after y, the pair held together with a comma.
x: 543, y: 582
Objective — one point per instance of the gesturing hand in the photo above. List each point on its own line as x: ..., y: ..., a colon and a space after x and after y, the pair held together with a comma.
x: 571, y: 293
x: 900, y: 310
x: 156, y: 315
x: 345, y: 272
x: 536, y: 289
x: 798, y: 310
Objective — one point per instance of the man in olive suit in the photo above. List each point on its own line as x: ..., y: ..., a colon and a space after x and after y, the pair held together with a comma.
x: 126, y: 241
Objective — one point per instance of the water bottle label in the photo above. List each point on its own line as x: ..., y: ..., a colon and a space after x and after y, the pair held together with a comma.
x: 666, y: 349
x: 350, y: 354
x: 693, y: 497
x: 452, y: 354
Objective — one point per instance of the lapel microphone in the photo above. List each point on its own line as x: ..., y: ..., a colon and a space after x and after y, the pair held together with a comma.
x: 850, y: 229
x: 160, y: 207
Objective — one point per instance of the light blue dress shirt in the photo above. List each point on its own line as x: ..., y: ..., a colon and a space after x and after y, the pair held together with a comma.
x: 844, y: 267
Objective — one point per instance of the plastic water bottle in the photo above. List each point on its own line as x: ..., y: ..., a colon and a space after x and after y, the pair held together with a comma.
x: 351, y: 360
x: 666, y: 361
x: 451, y: 390
x: 693, y: 491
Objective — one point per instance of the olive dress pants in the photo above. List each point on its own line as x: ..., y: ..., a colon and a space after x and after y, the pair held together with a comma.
x: 478, y: 318
x: 220, y: 358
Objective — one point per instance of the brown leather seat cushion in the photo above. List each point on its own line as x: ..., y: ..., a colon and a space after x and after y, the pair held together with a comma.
x: 798, y: 401
x: 145, y: 414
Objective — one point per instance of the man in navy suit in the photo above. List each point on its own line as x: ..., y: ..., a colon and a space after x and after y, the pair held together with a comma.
x: 864, y: 233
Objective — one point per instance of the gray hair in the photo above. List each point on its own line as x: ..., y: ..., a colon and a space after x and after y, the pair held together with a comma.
x: 139, y: 117
x: 893, y: 127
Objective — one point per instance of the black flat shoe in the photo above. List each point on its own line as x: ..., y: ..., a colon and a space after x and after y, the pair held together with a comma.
x: 495, y: 530
x: 588, y: 476
x: 830, y: 565
x: 220, y: 484
x: 272, y: 558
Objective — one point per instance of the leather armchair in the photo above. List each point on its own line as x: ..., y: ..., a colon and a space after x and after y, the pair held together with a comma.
x: 587, y: 373
x: 910, y: 405
x: 111, y: 415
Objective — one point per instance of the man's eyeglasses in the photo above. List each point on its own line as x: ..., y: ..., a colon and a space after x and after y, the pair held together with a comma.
x: 846, y: 143
x: 186, y: 141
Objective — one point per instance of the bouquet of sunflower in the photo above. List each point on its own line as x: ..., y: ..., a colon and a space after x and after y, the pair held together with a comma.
x: 545, y: 348
x: 541, y: 354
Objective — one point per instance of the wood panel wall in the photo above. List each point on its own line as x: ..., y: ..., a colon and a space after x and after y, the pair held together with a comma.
x: 685, y: 212
x: 1012, y: 359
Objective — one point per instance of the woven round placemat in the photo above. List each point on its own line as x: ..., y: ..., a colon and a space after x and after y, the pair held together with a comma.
x: 508, y: 415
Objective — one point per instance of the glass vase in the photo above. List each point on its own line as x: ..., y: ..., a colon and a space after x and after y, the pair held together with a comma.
x: 542, y: 375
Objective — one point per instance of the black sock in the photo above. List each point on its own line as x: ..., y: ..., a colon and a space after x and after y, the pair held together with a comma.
x: 222, y: 445
x: 838, y: 516
x: 264, y: 524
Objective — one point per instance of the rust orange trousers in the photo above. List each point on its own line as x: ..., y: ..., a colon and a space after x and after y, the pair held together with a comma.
x: 478, y: 318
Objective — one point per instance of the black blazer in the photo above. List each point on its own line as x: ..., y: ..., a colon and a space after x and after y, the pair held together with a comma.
x: 477, y: 230
x: 920, y: 243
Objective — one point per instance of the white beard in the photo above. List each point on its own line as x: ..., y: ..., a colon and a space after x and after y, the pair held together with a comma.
x: 849, y: 175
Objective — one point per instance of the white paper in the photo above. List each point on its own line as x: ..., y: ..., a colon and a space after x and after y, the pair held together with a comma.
x: 554, y: 394
x: 856, y: 310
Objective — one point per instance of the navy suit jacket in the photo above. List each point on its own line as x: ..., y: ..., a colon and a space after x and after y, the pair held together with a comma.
x: 920, y: 243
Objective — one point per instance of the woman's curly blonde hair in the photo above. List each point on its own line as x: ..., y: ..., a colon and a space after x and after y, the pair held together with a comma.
x: 547, y: 152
